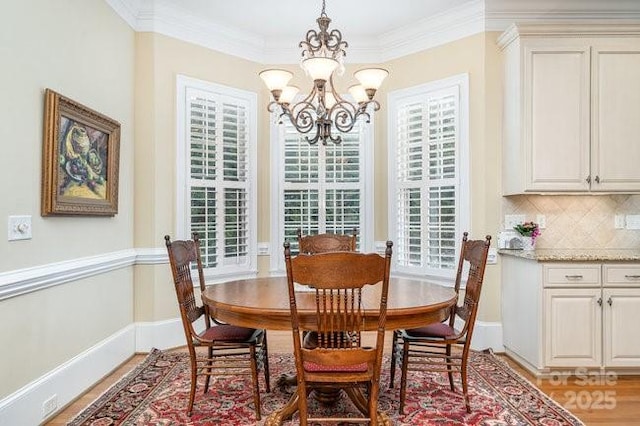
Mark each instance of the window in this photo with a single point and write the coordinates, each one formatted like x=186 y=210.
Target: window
x=216 y=174
x=320 y=188
x=428 y=173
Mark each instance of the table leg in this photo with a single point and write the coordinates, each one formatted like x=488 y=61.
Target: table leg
x=277 y=417
x=358 y=399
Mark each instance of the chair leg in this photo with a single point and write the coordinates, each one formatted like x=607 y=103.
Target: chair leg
x=465 y=390
x=254 y=380
x=265 y=362
x=303 y=408
x=192 y=390
x=394 y=348
x=450 y=368
x=374 y=391
x=208 y=369
x=403 y=376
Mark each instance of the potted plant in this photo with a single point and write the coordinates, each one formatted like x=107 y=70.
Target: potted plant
x=529 y=231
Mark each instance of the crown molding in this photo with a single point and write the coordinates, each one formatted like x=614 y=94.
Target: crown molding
x=599 y=29
x=500 y=21
x=453 y=24
x=165 y=17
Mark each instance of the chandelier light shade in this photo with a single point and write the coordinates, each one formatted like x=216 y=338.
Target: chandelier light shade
x=323 y=109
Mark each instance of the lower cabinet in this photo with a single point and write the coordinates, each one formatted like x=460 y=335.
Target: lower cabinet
x=571 y=314
x=621 y=327
x=573 y=327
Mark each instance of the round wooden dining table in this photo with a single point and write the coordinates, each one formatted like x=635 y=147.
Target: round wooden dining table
x=264 y=303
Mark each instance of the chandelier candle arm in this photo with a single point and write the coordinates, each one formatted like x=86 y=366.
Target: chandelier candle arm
x=323 y=108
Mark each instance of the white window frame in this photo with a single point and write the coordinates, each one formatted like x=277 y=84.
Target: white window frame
x=460 y=84
x=365 y=231
x=222 y=272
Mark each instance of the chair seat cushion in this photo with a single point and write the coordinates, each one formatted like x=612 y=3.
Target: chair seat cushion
x=442 y=330
x=321 y=368
x=228 y=333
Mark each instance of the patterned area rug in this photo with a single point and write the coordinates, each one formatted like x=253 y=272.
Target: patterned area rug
x=156 y=393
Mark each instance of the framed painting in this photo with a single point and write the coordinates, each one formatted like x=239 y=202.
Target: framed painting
x=81 y=151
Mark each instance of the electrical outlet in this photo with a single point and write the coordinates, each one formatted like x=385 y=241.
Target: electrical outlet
x=619 y=221
x=511 y=220
x=263 y=249
x=49 y=406
x=541 y=220
x=633 y=221
x=492 y=256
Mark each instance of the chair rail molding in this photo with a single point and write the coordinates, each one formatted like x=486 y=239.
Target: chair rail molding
x=22 y=281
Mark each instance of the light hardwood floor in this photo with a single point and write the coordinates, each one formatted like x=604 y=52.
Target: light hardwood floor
x=595 y=401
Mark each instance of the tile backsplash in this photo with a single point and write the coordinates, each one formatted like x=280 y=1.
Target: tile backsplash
x=578 y=221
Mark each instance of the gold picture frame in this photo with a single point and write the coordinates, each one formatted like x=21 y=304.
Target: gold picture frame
x=81 y=150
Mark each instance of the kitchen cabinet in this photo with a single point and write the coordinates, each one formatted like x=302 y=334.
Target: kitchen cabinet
x=571 y=99
x=571 y=314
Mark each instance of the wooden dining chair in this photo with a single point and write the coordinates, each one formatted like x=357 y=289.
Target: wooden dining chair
x=444 y=347
x=231 y=350
x=338 y=360
x=323 y=243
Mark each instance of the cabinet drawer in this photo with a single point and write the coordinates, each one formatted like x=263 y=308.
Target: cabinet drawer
x=621 y=275
x=568 y=275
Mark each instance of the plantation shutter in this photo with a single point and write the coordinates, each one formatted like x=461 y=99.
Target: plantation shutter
x=426 y=181
x=219 y=177
x=322 y=185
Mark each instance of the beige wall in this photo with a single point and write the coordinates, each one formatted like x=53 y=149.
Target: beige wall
x=478 y=57
x=159 y=60
x=83 y=50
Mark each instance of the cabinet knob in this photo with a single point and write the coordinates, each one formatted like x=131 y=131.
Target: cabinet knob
x=600 y=301
x=597 y=179
x=589 y=179
x=632 y=277
x=573 y=277
x=609 y=301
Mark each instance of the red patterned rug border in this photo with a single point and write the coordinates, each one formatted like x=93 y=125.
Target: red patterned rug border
x=153 y=392
x=523 y=381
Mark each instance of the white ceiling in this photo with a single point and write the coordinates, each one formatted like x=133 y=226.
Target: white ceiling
x=269 y=31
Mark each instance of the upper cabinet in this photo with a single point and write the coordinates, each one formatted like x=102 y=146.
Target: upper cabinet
x=571 y=120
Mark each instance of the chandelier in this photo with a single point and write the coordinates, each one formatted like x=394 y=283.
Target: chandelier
x=323 y=108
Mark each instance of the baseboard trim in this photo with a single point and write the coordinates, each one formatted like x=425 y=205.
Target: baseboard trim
x=160 y=335
x=67 y=381
x=487 y=335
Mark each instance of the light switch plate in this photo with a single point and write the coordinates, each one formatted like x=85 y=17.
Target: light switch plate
x=19 y=228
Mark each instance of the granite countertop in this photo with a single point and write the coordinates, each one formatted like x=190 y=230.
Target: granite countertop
x=576 y=255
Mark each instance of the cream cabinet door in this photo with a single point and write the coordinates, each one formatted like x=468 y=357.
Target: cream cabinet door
x=621 y=327
x=573 y=327
x=615 y=116
x=556 y=116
